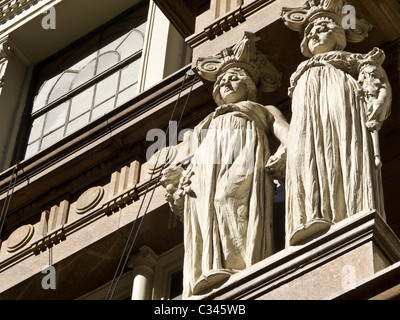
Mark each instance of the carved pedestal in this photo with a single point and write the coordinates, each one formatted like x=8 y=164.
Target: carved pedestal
x=350 y=254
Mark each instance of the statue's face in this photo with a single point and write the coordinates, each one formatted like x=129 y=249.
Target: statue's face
x=232 y=88
x=321 y=39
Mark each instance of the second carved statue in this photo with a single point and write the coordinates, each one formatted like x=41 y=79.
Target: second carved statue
x=339 y=102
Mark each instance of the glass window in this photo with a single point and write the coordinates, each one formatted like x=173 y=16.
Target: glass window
x=87 y=81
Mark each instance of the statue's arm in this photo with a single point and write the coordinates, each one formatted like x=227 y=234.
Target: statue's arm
x=278 y=124
x=276 y=165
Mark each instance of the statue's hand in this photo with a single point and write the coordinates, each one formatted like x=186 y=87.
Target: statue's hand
x=171 y=176
x=170 y=180
x=373 y=125
x=276 y=165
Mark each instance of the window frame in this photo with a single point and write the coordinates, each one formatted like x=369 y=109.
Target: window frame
x=21 y=146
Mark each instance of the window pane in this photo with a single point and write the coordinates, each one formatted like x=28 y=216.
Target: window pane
x=103 y=108
x=32 y=149
x=52 y=138
x=78 y=123
x=127 y=94
x=56 y=117
x=85 y=59
x=106 y=88
x=84 y=75
x=81 y=103
x=130 y=74
x=107 y=60
x=37 y=128
x=133 y=43
x=112 y=42
x=41 y=98
x=62 y=86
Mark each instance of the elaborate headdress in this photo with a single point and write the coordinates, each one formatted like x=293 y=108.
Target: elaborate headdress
x=243 y=55
x=302 y=19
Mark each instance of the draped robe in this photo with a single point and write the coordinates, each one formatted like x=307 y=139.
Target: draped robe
x=228 y=216
x=330 y=160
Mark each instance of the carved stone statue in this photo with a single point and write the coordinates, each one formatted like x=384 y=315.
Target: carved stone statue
x=339 y=101
x=225 y=195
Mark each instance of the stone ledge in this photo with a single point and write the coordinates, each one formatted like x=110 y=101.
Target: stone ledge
x=384 y=285
x=351 y=252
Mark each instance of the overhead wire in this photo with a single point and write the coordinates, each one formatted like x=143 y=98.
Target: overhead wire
x=7 y=199
x=128 y=249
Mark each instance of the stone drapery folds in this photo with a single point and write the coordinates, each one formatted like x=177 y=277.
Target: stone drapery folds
x=225 y=195
x=339 y=102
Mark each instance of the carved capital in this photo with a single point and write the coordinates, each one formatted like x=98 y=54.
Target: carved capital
x=243 y=55
x=301 y=18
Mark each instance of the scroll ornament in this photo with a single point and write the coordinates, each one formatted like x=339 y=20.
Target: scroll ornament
x=243 y=55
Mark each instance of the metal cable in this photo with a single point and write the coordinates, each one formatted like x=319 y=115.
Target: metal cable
x=126 y=252
x=7 y=199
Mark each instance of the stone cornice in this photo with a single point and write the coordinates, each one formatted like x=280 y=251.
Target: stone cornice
x=227 y=22
x=11 y=8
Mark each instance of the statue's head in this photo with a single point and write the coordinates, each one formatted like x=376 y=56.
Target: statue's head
x=323 y=35
x=239 y=71
x=320 y=23
x=234 y=85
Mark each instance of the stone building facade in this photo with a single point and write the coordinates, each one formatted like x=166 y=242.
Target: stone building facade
x=89 y=92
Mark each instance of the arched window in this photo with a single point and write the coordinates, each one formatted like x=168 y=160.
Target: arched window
x=87 y=81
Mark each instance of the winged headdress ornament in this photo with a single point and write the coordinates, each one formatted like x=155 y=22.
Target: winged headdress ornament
x=246 y=56
x=313 y=11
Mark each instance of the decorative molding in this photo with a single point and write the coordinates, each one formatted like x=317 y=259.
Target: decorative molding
x=56 y=217
x=20 y=237
x=225 y=23
x=124 y=179
x=89 y=199
x=161 y=159
x=124 y=194
x=47 y=241
x=11 y=8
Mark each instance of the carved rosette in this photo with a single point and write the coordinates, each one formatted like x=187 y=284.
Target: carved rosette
x=89 y=199
x=20 y=237
x=162 y=159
